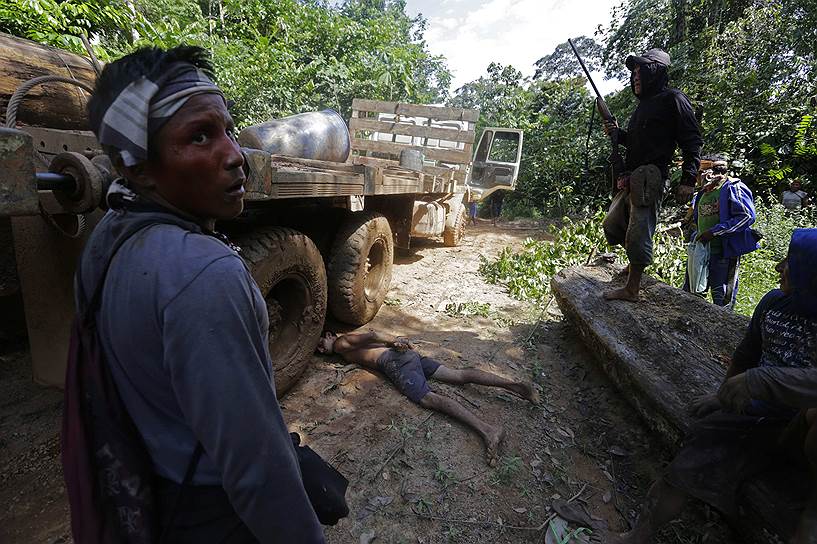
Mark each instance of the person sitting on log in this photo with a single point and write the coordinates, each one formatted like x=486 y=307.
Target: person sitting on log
x=764 y=413
x=409 y=371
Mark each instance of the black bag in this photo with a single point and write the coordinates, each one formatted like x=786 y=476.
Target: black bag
x=325 y=486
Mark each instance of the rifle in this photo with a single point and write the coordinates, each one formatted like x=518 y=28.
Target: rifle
x=615 y=160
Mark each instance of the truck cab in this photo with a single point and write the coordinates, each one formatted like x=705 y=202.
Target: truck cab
x=496 y=161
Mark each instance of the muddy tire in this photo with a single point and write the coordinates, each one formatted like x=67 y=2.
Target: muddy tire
x=360 y=267
x=453 y=234
x=289 y=270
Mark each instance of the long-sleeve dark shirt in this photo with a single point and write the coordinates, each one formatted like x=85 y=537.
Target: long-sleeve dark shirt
x=657 y=125
x=779 y=354
x=184 y=329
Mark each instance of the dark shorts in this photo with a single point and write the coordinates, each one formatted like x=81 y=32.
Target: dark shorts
x=408 y=372
x=724 y=450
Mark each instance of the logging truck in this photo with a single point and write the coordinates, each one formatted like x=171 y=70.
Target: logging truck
x=324 y=209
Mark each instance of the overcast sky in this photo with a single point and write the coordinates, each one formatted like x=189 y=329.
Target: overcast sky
x=473 y=33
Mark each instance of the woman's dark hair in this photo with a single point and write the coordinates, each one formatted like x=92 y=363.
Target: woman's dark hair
x=149 y=62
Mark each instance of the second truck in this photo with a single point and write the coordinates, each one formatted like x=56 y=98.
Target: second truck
x=326 y=203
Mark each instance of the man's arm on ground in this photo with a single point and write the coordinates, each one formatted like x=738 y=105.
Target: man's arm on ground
x=216 y=356
x=688 y=137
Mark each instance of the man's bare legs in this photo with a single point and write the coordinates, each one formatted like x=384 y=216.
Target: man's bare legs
x=492 y=436
x=630 y=290
x=807 y=528
x=664 y=504
x=479 y=377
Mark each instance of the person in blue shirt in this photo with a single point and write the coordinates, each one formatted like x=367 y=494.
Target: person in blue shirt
x=764 y=414
x=723 y=211
x=183 y=326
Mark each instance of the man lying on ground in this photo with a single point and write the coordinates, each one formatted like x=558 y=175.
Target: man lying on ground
x=408 y=371
x=765 y=412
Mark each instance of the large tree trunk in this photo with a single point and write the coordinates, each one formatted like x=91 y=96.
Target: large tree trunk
x=53 y=105
x=661 y=354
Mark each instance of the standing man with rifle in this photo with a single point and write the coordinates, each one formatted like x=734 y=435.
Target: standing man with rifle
x=663 y=119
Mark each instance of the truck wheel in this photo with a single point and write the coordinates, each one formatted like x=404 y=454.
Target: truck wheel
x=453 y=234
x=359 y=268
x=289 y=270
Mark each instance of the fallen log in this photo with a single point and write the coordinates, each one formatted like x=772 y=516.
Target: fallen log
x=52 y=105
x=662 y=353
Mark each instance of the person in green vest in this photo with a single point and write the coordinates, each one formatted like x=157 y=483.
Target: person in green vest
x=723 y=211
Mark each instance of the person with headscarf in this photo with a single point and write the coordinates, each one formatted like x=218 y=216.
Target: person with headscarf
x=763 y=415
x=663 y=119
x=723 y=211
x=182 y=325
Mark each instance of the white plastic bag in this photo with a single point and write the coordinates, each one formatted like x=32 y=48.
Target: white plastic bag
x=698 y=266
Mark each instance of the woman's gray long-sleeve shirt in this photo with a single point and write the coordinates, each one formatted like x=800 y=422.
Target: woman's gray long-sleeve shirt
x=184 y=331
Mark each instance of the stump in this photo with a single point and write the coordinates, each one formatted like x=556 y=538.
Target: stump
x=662 y=353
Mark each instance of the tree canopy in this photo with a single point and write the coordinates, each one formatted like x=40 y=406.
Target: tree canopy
x=272 y=57
x=747 y=65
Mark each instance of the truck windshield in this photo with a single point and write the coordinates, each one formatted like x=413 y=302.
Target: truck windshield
x=505 y=147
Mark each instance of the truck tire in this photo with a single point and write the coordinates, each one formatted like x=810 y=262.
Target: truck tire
x=360 y=266
x=453 y=234
x=289 y=270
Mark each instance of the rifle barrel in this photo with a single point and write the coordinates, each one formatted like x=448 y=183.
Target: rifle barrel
x=586 y=71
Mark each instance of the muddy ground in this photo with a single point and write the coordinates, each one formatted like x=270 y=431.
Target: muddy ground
x=418 y=477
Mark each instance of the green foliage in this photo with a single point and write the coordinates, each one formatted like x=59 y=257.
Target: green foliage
x=564 y=159
x=272 y=57
x=60 y=23
x=757 y=269
x=757 y=277
x=465 y=309
x=527 y=274
x=562 y=63
x=507 y=470
x=444 y=475
x=746 y=65
x=776 y=223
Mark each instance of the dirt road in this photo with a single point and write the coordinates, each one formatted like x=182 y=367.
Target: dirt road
x=417 y=477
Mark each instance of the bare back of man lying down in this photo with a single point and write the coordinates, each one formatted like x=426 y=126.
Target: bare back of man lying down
x=409 y=371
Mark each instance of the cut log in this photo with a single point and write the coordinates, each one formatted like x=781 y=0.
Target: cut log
x=53 y=105
x=662 y=354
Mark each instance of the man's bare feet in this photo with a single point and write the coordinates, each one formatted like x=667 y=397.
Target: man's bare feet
x=527 y=391
x=621 y=294
x=493 y=445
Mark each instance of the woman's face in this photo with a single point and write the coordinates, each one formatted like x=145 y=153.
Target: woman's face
x=198 y=165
